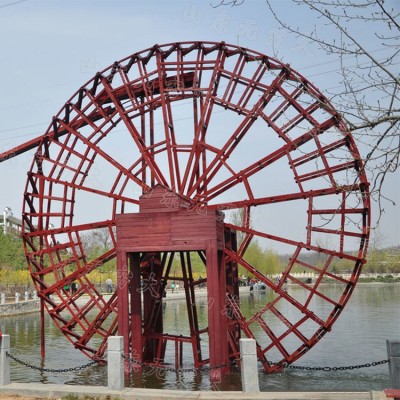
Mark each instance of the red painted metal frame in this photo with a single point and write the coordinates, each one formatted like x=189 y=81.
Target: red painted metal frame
x=135 y=104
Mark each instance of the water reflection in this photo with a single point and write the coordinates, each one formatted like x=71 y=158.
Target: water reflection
x=358 y=337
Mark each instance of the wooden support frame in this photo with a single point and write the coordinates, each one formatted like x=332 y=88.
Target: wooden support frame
x=165 y=224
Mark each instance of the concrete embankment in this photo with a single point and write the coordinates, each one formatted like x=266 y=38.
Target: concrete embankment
x=22 y=307
x=42 y=391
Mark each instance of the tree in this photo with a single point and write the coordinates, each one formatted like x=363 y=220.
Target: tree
x=241 y=218
x=376 y=257
x=265 y=261
x=254 y=255
x=95 y=243
x=367 y=95
x=273 y=264
x=12 y=256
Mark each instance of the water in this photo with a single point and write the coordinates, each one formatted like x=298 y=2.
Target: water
x=358 y=337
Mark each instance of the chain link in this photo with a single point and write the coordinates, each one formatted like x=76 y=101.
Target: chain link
x=330 y=369
x=178 y=370
x=79 y=368
x=233 y=363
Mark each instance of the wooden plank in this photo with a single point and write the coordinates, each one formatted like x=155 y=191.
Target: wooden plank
x=178 y=229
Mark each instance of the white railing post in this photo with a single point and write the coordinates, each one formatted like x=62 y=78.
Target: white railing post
x=3 y=298
x=115 y=363
x=248 y=366
x=393 y=351
x=26 y=296
x=4 y=360
x=17 y=297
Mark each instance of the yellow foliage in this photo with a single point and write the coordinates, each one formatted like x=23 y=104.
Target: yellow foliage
x=18 y=277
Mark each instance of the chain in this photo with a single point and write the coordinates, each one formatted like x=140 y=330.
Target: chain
x=330 y=369
x=51 y=369
x=234 y=364
x=177 y=370
x=193 y=369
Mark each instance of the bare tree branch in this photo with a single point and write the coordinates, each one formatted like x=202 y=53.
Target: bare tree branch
x=367 y=95
x=232 y=3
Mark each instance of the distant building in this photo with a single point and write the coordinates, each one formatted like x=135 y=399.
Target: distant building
x=12 y=224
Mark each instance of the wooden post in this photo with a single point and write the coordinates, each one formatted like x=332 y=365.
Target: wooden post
x=152 y=303
x=393 y=351
x=122 y=290
x=217 y=322
x=135 y=291
x=42 y=330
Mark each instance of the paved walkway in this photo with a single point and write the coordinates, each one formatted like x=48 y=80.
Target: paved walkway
x=51 y=390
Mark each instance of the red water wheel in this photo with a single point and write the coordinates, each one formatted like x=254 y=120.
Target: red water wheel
x=225 y=128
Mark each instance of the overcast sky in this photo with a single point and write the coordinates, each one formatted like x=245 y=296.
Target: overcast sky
x=51 y=48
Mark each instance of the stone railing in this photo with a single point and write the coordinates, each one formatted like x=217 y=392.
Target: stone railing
x=19 y=305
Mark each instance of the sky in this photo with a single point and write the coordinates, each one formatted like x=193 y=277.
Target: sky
x=49 y=49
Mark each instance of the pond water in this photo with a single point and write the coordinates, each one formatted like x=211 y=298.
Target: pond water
x=358 y=337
